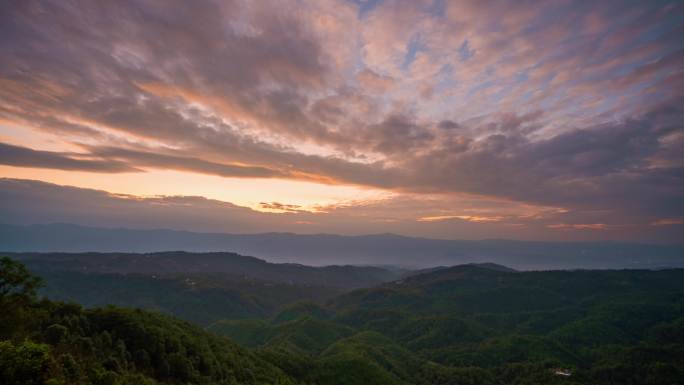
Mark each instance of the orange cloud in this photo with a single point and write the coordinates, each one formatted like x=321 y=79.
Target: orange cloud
x=582 y=226
x=375 y=82
x=469 y=218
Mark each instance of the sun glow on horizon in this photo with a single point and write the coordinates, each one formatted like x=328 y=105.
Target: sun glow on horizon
x=246 y=192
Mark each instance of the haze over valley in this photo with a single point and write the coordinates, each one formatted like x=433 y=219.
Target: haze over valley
x=330 y=249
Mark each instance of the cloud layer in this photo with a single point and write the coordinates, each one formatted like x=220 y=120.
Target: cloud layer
x=29 y=202
x=573 y=107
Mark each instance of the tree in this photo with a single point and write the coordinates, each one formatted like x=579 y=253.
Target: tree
x=54 y=334
x=24 y=364
x=17 y=291
x=16 y=282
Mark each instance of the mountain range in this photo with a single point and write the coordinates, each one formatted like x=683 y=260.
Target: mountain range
x=329 y=249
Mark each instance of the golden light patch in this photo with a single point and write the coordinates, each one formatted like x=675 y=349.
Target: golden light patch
x=469 y=218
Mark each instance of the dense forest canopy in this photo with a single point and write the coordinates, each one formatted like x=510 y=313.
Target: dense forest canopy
x=469 y=324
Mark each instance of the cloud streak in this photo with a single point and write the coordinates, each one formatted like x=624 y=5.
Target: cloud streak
x=26 y=157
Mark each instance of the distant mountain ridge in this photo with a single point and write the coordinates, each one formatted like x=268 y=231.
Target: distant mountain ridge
x=327 y=249
x=170 y=262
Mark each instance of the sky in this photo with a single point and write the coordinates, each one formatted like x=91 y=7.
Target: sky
x=539 y=120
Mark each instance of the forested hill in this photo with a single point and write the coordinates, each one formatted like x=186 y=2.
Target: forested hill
x=44 y=342
x=474 y=324
x=198 y=287
x=340 y=276
x=469 y=324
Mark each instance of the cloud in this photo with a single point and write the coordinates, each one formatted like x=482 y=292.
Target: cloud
x=374 y=82
x=608 y=166
x=668 y=222
x=26 y=157
x=448 y=125
x=468 y=217
x=539 y=112
x=582 y=226
x=173 y=162
x=278 y=207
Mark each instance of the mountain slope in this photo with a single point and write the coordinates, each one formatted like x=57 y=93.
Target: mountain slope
x=478 y=325
x=198 y=287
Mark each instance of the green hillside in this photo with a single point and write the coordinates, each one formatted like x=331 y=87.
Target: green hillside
x=485 y=325
x=452 y=326
x=201 y=298
x=205 y=287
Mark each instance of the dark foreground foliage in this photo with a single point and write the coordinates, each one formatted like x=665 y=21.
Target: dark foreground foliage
x=46 y=342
